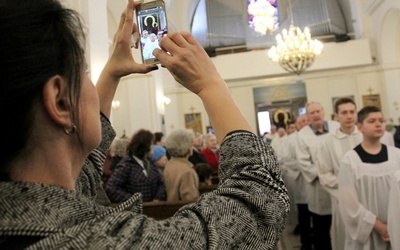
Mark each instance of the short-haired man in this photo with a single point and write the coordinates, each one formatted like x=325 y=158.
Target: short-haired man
x=330 y=154
x=278 y=140
x=318 y=199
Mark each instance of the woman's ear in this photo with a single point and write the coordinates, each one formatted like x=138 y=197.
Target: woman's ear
x=55 y=100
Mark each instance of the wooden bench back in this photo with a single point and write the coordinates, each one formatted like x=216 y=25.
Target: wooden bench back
x=161 y=210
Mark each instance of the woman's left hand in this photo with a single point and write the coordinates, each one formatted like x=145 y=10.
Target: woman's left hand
x=121 y=61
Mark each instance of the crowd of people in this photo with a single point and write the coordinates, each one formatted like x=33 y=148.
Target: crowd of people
x=339 y=175
x=161 y=169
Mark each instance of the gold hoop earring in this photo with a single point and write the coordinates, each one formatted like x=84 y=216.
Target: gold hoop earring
x=71 y=130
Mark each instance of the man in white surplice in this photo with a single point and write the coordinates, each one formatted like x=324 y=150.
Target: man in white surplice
x=365 y=177
x=278 y=140
x=330 y=154
x=318 y=199
x=295 y=182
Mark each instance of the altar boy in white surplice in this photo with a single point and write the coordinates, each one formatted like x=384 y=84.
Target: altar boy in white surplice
x=364 y=185
x=330 y=154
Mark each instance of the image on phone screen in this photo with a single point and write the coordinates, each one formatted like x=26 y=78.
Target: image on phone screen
x=152 y=23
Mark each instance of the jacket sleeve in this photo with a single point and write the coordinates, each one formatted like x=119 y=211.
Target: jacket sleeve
x=90 y=177
x=116 y=184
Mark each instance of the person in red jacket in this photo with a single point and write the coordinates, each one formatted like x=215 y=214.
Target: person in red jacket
x=211 y=151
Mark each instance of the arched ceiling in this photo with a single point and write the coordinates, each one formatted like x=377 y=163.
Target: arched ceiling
x=390 y=37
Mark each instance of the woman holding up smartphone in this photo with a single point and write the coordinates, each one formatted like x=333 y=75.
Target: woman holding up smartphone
x=61 y=124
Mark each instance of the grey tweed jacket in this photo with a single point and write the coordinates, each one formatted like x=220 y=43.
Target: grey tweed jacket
x=247 y=211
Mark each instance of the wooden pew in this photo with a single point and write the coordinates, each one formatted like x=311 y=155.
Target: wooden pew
x=162 y=209
x=214 y=178
x=204 y=189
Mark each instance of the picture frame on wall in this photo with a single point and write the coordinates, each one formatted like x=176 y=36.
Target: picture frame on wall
x=210 y=130
x=334 y=100
x=372 y=100
x=193 y=121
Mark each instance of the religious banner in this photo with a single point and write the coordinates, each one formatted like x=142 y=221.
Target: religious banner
x=193 y=121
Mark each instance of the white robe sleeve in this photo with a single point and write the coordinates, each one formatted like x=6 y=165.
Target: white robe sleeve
x=327 y=177
x=287 y=156
x=358 y=220
x=394 y=211
x=304 y=157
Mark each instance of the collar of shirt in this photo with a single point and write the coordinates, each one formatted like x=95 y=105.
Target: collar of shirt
x=183 y=161
x=325 y=129
x=141 y=163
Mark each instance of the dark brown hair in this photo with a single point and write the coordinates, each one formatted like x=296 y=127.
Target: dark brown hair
x=43 y=39
x=364 y=112
x=341 y=101
x=141 y=143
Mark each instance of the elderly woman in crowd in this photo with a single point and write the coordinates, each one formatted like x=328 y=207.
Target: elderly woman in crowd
x=181 y=179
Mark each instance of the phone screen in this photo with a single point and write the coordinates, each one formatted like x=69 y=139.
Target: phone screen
x=152 y=24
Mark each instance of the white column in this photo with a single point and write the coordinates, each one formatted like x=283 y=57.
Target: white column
x=391 y=95
x=98 y=41
x=141 y=97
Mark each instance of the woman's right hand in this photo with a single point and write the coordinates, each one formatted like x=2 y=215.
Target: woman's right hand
x=190 y=65
x=187 y=61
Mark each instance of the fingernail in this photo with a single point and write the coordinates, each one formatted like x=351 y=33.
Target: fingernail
x=155 y=67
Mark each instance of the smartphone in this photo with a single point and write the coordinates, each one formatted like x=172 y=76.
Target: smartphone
x=152 y=25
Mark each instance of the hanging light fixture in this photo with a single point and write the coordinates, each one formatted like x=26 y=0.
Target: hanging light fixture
x=262 y=16
x=295 y=50
x=115 y=104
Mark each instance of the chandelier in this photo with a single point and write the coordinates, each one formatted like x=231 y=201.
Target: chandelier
x=295 y=50
x=262 y=16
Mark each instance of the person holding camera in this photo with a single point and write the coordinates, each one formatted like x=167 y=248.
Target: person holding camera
x=61 y=124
